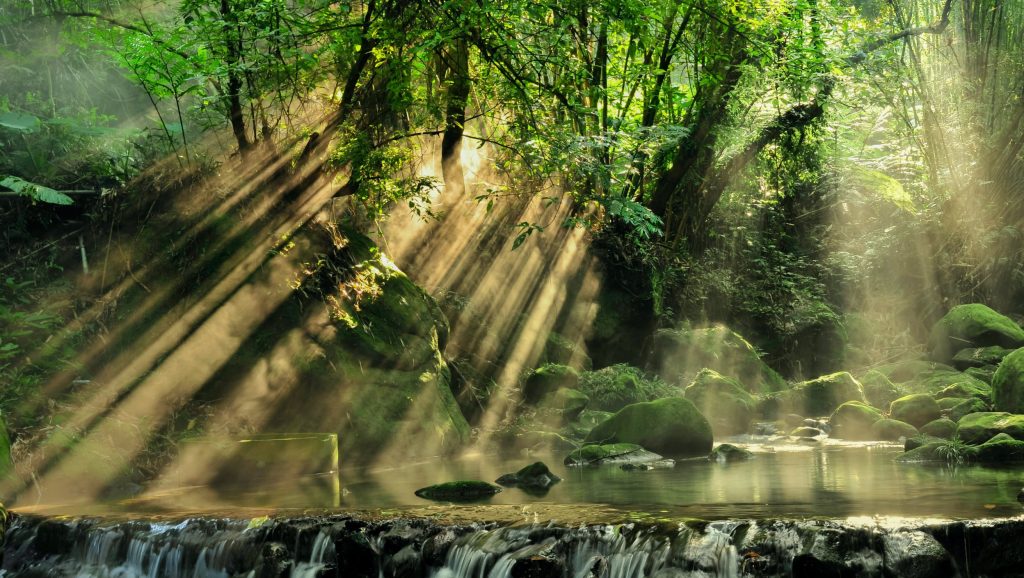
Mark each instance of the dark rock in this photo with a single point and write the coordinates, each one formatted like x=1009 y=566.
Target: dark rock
x=460 y=491
x=724 y=453
x=916 y=554
x=537 y=567
x=596 y=455
x=547 y=379
x=1020 y=495
x=355 y=556
x=535 y=475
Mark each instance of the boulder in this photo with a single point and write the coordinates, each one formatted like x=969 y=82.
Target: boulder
x=461 y=491
x=908 y=369
x=965 y=389
x=940 y=451
x=806 y=431
x=1000 y=449
x=599 y=455
x=916 y=554
x=547 y=379
x=1008 y=383
x=914 y=442
x=616 y=386
x=934 y=381
x=725 y=403
x=942 y=428
x=879 y=390
x=892 y=430
x=534 y=476
x=976 y=428
x=821 y=396
x=724 y=453
x=968 y=406
x=982 y=373
x=916 y=409
x=686 y=351
x=852 y=421
x=672 y=426
x=979 y=357
x=947 y=403
x=970 y=326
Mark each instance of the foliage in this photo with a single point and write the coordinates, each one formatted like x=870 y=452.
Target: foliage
x=611 y=388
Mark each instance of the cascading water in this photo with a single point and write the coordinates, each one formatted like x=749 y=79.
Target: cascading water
x=411 y=548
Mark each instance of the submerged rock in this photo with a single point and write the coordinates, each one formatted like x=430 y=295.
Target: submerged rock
x=670 y=426
x=724 y=453
x=973 y=325
x=535 y=475
x=1008 y=383
x=916 y=409
x=655 y=465
x=725 y=403
x=460 y=491
x=597 y=455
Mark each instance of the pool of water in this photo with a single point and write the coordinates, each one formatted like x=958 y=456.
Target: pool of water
x=785 y=479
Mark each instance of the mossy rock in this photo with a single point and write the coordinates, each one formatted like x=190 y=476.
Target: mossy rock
x=939 y=451
x=937 y=380
x=821 y=396
x=725 y=403
x=967 y=407
x=461 y=491
x=1008 y=383
x=947 y=403
x=908 y=369
x=590 y=418
x=672 y=426
x=985 y=373
x=852 y=421
x=892 y=430
x=914 y=442
x=686 y=351
x=616 y=386
x=546 y=379
x=970 y=326
x=536 y=475
x=999 y=451
x=916 y=409
x=979 y=427
x=966 y=389
x=724 y=453
x=975 y=357
x=805 y=431
x=943 y=428
x=603 y=454
x=879 y=390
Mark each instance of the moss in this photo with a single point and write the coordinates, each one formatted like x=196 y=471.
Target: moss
x=725 y=403
x=724 y=453
x=595 y=454
x=821 y=396
x=686 y=351
x=614 y=387
x=984 y=374
x=947 y=403
x=942 y=428
x=973 y=325
x=979 y=356
x=1002 y=450
x=547 y=379
x=909 y=369
x=891 y=430
x=979 y=427
x=852 y=421
x=966 y=389
x=966 y=407
x=936 y=380
x=562 y=350
x=939 y=451
x=879 y=390
x=916 y=409
x=671 y=426
x=460 y=491
x=1008 y=383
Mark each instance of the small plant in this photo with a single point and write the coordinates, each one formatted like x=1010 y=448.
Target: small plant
x=953 y=451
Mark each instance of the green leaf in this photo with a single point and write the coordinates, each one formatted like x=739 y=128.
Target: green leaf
x=37 y=192
x=19 y=121
x=876 y=182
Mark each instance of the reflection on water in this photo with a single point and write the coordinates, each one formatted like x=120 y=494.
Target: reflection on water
x=832 y=479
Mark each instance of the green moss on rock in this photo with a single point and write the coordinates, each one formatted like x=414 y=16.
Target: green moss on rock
x=976 y=428
x=943 y=428
x=724 y=453
x=966 y=407
x=725 y=403
x=973 y=325
x=460 y=491
x=879 y=390
x=672 y=426
x=892 y=430
x=998 y=451
x=979 y=357
x=548 y=378
x=1008 y=383
x=600 y=454
x=947 y=403
x=686 y=351
x=916 y=409
x=852 y=421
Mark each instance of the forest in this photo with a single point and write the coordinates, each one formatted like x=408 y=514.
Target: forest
x=506 y=227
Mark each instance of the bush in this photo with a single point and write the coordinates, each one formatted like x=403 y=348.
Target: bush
x=614 y=387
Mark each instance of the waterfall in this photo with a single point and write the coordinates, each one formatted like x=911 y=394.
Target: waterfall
x=317 y=559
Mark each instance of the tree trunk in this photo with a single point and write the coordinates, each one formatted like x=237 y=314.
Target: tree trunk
x=457 y=64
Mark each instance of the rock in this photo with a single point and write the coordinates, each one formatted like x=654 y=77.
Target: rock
x=916 y=554
x=821 y=396
x=670 y=426
x=966 y=389
x=568 y=402
x=916 y=409
x=973 y=325
x=878 y=389
x=614 y=387
x=1000 y=450
x=725 y=403
x=976 y=428
x=724 y=453
x=461 y=491
x=1008 y=383
x=914 y=442
x=537 y=567
x=984 y=374
x=535 y=475
x=806 y=432
x=547 y=379
x=947 y=403
x=852 y=421
x=909 y=369
x=936 y=380
x=656 y=465
x=940 y=451
x=598 y=455
x=819 y=424
x=979 y=357
x=892 y=430
x=969 y=406
x=766 y=428
x=942 y=428
x=686 y=351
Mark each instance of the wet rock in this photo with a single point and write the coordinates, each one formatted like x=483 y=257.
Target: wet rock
x=355 y=556
x=672 y=426
x=1008 y=383
x=605 y=454
x=537 y=567
x=656 y=465
x=535 y=475
x=460 y=491
x=984 y=374
x=973 y=325
x=726 y=404
x=916 y=409
x=941 y=428
x=806 y=432
x=976 y=428
x=852 y=421
x=819 y=424
x=766 y=428
x=916 y=554
x=1000 y=449
x=729 y=453
x=892 y=430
